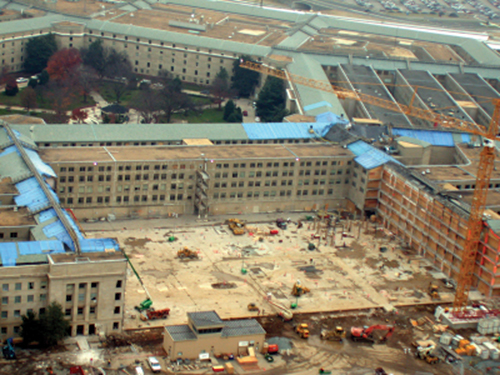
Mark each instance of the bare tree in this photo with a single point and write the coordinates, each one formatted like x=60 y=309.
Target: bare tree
x=149 y=105
x=172 y=98
x=86 y=81
x=28 y=99
x=220 y=88
x=119 y=70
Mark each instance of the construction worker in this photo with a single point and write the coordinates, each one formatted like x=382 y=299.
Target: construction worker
x=109 y=362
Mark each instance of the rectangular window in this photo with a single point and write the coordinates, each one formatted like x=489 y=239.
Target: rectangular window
x=31 y=298
x=17 y=299
x=18 y=286
x=5 y=287
x=5 y=300
x=118 y=296
x=43 y=297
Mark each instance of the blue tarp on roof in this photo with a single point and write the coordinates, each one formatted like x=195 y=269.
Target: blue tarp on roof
x=435 y=138
x=46 y=215
x=310 y=107
x=92 y=245
x=40 y=247
x=32 y=196
x=331 y=117
x=57 y=230
x=8 y=253
x=368 y=156
x=285 y=130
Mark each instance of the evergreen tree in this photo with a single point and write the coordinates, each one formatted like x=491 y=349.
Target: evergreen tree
x=228 y=109
x=53 y=326
x=271 y=102
x=38 y=52
x=244 y=81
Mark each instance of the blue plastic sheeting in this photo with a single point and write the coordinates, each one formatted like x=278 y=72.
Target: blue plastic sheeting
x=95 y=245
x=310 y=107
x=32 y=196
x=57 y=230
x=40 y=247
x=368 y=156
x=435 y=138
x=46 y=215
x=43 y=169
x=331 y=118
x=8 y=253
x=285 y=130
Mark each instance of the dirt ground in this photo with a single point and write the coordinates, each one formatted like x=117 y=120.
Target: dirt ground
x=352 y=274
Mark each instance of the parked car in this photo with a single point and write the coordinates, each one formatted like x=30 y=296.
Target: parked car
x=139 y=370
x=245 y=113
x=154 y=364
x=22 y=80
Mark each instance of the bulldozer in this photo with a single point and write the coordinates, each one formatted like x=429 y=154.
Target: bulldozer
x=253 y=307
x=299 y=290
x=302 y=330
x=237 y=226
x=186 y=253
x=337 y=334
x=433 y=291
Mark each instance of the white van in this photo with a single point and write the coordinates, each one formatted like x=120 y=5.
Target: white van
x=139 y=370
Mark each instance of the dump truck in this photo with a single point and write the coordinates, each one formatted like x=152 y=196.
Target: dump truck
x=302 y=330
x=152 y=314
x=337 y=334
x=299 y=290
x=237 y=226
x=186 y=253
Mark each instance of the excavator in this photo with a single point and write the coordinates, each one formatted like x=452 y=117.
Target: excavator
x=186 y=253
x=433 y=291
x=299 y=290
x=237 y=226
x=360 y=333
x=337 y=334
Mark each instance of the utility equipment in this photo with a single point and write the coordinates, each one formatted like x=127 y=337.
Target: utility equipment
x=186 y=253
x=302 y=330
x=237 y=226
x=360 y=333
x=337 y=334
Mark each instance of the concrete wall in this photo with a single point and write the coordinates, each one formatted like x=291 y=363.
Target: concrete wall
x=33 y=287
x=15 y=233
x=210 y=343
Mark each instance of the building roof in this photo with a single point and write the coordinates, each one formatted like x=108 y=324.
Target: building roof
x=413 y=141
x=242 y=328
x=434 y=137
x=115 y=108
x=132 y=132
x=368 y=156
x=16 y=253
x=286 y=130
x=202 y=319
x=181 y=332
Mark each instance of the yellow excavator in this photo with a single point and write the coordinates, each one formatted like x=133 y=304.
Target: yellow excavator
x=299 y=290
x=433 y=291
x=186 y=253
x=237 y=226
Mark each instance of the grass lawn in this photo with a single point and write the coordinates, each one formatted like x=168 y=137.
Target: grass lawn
x=211 y=115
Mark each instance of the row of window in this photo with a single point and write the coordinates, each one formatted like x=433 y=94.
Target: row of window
x=19 y=286
x=272 y=193
x=9 y=235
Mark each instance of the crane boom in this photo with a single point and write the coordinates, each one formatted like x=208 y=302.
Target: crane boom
x=343 y=93
x=485 y=168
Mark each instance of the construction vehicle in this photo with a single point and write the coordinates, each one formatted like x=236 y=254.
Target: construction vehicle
x=360 y=333
x=337 y=334
x=302 y=330
x=8 y=349
x=281 y=223
x=485 y=166
x=427 y=354
x=148 y=302
x=299 y=290
x=253 y=307
x=286 y=315
x=432 y=290
x=152 y=314
x=186 y=253
x=237 y=226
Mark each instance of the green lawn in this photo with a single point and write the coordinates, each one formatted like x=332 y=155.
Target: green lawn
x=211 y=115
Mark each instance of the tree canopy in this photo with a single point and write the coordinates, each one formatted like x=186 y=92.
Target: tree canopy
x=232 y=113
x=244 y=81
x=271 y=101
x=220 y=88
x=38 y=52
x=48 y=329
x=64 y=64
x=96 y=57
